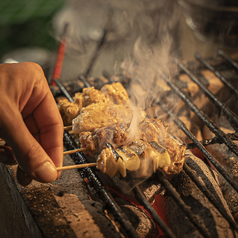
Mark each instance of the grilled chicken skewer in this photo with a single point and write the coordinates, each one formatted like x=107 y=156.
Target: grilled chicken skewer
x=139 y=157
x=113 y=93
x=150 y=130
x=106 y=116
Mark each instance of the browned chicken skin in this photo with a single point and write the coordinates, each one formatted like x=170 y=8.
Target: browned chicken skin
x=102 y=117
x=139 y=157
x=98 y=115
x=151 y=130
x=114 y=93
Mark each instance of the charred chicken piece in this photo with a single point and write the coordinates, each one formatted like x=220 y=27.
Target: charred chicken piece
x=156 y=130
x=94 y=141
x=117 y=134
x=138 y=157
x=151 y=130
x=110 y=164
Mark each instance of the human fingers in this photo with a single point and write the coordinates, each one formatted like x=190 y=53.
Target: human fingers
x=31 y=157
x=45 y=123
x=23 y=87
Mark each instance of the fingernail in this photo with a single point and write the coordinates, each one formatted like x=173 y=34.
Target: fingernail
x=46 y=173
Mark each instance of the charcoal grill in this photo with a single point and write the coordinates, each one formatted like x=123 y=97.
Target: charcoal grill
x=222 y=63
x=225 y=68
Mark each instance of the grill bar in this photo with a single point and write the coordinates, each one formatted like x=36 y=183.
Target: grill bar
x=225 y=139
x=84 y=80
x=95 y=182
x=231 y=117
x=186 y=168
x=186 y=209
x=142 y=200
x=214 y=140
x=228 y=58
x=202 y=116
x=96 y=52
x=217 y=73
x=63 y=90
x=219 y=138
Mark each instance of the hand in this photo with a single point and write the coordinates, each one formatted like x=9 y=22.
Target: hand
x=30 y=123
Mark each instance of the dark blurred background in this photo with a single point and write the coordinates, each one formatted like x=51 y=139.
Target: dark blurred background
x=30 y=31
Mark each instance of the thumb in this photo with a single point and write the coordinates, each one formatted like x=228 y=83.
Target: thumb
x=31 y=157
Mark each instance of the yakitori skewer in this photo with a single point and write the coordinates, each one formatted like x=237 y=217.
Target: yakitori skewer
x=74 y=151
x=77 y=166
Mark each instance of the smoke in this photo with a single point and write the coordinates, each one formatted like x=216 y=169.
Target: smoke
x=129 y=19
x=145 y=65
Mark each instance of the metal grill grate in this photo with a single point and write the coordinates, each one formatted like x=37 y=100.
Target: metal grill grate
x=220 y=137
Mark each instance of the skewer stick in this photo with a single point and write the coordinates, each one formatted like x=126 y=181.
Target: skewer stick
x=67 y=128
x=74 y=151
x=77 y=166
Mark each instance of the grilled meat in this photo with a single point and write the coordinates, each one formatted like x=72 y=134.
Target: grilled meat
x=109 y=164
x=113 y=93
x=150 y=130
x=156 y=130
x=92 y=95
x=70 y=110
x=107 y=116
x=98 y=115
x=116 y=93
x=94 y=141
x=139 y=157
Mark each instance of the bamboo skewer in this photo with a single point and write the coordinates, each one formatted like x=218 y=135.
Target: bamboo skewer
x=76 y=166
x=67 y=128
x=74 y=151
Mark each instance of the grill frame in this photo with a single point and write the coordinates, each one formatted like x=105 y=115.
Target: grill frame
x=221 y=137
